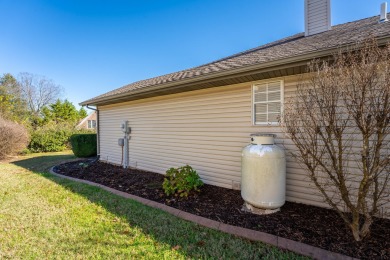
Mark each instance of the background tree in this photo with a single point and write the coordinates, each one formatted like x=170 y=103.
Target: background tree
x=12 y=106
x=33 y=101
x=54 y=126
x=83 y=113
x=339 y=121
x=38 y=91
x=61 y=111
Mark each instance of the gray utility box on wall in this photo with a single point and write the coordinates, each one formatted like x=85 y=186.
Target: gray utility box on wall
x=121 y=141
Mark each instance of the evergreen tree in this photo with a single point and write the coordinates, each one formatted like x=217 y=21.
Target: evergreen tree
x=61 y=112
x=12 y=106
x=82 y=113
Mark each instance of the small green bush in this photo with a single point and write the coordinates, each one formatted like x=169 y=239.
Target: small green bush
x=84 y=145
x=181 y=181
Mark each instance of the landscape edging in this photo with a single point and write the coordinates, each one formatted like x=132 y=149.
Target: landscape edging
x=280 y=242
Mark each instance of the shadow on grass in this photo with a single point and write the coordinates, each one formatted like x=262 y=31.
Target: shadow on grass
x=190 y=239
x=44 y=162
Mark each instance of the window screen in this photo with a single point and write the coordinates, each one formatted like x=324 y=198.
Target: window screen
x=267 y=102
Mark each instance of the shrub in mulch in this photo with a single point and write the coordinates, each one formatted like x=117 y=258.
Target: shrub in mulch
x=308 y=224
x=181 y=181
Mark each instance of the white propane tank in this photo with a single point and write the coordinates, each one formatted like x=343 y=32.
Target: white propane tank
x=263 y=173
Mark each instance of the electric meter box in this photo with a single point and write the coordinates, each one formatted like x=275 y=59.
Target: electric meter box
x=125 y=127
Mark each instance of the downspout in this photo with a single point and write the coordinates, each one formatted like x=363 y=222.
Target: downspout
x=97 y=129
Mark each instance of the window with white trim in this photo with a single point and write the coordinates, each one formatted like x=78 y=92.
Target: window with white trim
x=267 y=102
x=91 y=124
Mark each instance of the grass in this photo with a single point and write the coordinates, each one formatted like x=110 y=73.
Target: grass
x=43 y=216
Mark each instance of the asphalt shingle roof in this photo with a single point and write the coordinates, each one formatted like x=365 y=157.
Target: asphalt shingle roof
x=288 y=47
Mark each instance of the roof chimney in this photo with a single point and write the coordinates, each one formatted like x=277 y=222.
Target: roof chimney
x=317 y=16
x=383 y=12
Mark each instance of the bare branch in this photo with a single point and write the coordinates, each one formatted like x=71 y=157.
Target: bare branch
x=38 y=91
x=339 y=121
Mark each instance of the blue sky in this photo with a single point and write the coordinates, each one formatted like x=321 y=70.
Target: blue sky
x=90 y=47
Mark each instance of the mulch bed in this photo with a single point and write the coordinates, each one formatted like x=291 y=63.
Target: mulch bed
x=308 y=224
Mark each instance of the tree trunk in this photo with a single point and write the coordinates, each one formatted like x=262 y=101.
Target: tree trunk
x=359 y=233
x=365 y=230
x=356 y=231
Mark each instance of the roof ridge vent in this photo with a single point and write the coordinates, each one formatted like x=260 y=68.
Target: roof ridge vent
x=383 y=13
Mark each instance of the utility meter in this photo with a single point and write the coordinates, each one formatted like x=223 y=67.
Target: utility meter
x=125 y=128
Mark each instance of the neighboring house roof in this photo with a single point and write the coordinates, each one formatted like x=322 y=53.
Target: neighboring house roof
x=85 y=119
x=290 y=49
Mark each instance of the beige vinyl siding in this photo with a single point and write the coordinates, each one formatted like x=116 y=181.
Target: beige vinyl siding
x=206 y=129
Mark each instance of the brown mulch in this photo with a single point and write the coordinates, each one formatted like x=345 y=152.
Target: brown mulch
x=308 y=224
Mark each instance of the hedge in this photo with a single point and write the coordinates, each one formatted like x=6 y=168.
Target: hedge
x=49 y=139
x=84 y=145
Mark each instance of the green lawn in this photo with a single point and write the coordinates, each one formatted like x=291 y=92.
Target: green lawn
x=42 y=216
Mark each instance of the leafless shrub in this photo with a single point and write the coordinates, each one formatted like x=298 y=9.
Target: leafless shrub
x=339 y=122
x=13 y=138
